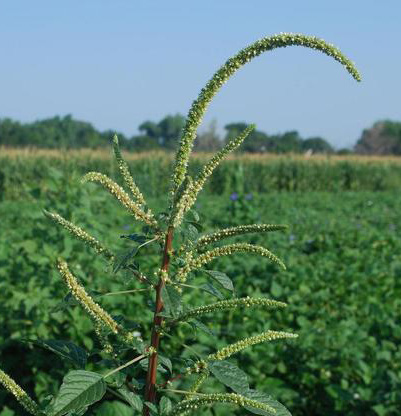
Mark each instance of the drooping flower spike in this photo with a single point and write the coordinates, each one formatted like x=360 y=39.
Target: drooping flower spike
x=20 y=394
x=125 y=173
x=121 y=196
x=234 y=231
x=200 y=105
x=80 y=234
x=192 y=189
x=222 y=305
x=188 y=406
x=194 y=263
x=96 y=312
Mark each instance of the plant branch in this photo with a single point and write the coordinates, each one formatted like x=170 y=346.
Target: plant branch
x=150 y=389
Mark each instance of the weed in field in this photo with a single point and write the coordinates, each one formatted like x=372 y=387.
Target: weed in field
x=81 y=388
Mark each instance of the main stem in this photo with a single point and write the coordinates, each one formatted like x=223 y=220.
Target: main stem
x=150 y=389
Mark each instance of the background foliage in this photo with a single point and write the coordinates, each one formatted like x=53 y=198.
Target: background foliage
x=342 y=284
x=383 y=138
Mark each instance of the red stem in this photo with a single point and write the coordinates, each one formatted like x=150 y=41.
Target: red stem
x=150 y=389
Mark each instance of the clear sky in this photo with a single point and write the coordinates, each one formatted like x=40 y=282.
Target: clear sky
x=117 y=63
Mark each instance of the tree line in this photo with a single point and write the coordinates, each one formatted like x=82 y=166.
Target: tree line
x=384 y=137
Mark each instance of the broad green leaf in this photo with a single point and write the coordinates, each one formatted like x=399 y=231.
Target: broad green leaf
x=79 y=412
x=200 y=325
x=65 y=349
x=194 y=214
x=230 y=375
x=165 y=406
x=133 y=399
x=209 y=288
x=222 y=278
x=265 y=398
x=79 y=389
x=166 y=362
x=172 y=301
x=115 y=408
x=152 y=407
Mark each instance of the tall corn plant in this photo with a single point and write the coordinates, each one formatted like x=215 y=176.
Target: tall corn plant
x=179 y=259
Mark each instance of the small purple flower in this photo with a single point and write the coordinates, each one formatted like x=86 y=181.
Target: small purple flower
x=292 y=237
x=234 y=196
x=248 y=197
x=127 y=227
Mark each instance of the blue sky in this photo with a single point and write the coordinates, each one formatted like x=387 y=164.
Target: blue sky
x=118 y=63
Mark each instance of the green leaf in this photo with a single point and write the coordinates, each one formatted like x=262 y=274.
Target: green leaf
x=79 y=389
x=133 y=399
x=194 y=214
x=165 y=406
x=166 y=362
x=200 y=325
x=65 y=349
x=114 y=409
x=209 y=288
x=172 y=301
x=230 y=375
x=152 y=407
x=266 y=399
x=222 y=278
x=138 y=238
x=79 y=412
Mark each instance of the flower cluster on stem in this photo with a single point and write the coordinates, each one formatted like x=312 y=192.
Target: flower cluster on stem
x=202 y=259
x=21 y=395
x=200 y=105
x=192 y=188
x=97 y=313
x=125 y=173
x=188 y=406
x=232 y=349
x=121 y=196
x=241 y=229
x=222 y=305
x=80 y=234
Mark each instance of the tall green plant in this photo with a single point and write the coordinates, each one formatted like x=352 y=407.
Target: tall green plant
x=183 y=254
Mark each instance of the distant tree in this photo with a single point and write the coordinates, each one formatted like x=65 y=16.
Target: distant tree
x=12 y=133
x=383 y=138
x=289 y=142
x=166 y=133
x=171 y=128
x=316 y=145
x=150 y=129
x=209 y=140
x=143 y=143
x=257 y=142
x=344 y=151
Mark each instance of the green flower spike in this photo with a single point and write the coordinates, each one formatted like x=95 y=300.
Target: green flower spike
x=191 y=191
x=80 y=234
x=199 y=106
x=125 y=173
x=242 y=229
x=21 y=395
x=122 y=196
x=188 y=406
x=223 y=305
x=97 y=313
x=198 y=262
x=199 y=381
x=247 y=342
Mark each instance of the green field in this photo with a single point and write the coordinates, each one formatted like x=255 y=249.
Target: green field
x=342 y=283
